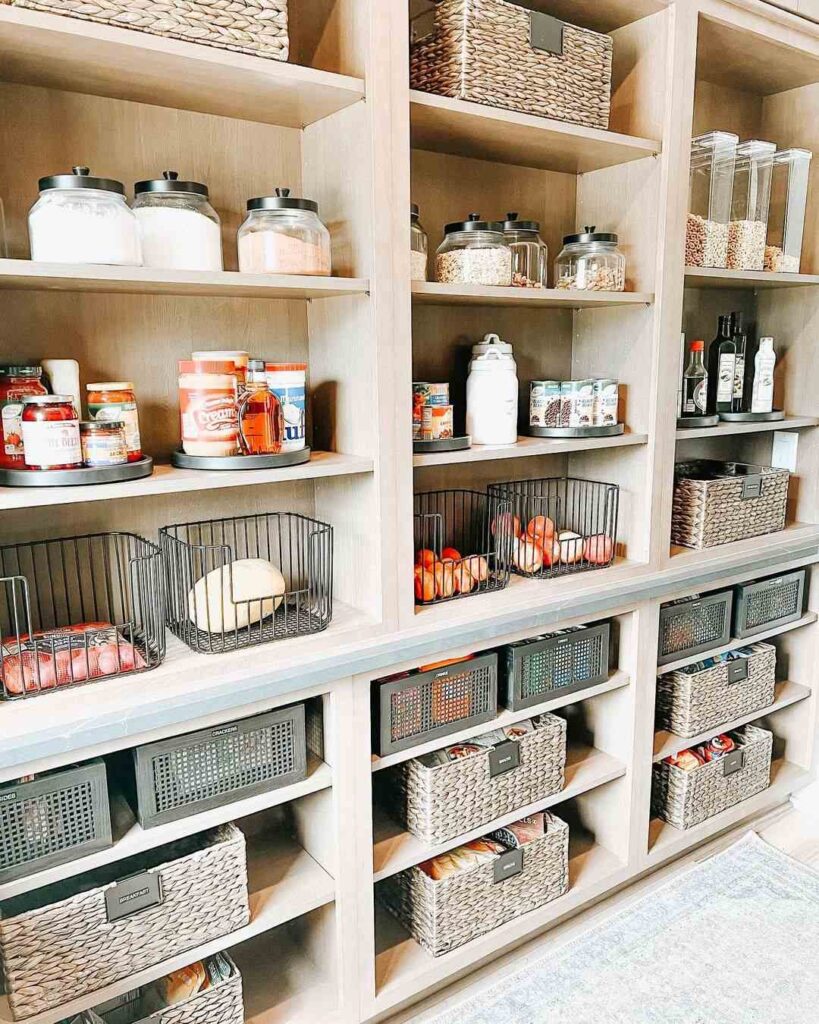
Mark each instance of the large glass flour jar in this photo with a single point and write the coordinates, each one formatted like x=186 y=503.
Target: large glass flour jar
x=179 y=229
x=283 y=235
x=82 y=219
x=474 y=251
x=591 y=261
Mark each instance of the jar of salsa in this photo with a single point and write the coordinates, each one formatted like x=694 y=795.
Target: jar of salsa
x=51 y=432
x=103 y=443
x=116 y=401
x=16 y=382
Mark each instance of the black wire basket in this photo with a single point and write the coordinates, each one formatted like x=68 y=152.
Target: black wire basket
x=463 y=545
x=562 y=525
x=218 y=601
x=77 y=610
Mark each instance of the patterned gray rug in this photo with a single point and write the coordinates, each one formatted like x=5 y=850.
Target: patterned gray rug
x=735 y=938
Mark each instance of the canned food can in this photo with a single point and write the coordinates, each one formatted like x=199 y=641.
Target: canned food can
x=577 y=403
x=606 y=402
x=420 y=393
x=544 y=403
x=438 y=394
x=437 y=422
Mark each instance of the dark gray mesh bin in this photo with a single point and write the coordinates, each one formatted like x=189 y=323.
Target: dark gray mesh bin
x=188 y=774
x=693 y=627
x=544 y=667
x=767 y=603
x=52 y=819
x=429 y=705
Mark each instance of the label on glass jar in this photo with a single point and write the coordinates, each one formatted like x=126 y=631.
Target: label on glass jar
x=124 y=411
x=55 y=443
x=209 y=415
x=12 y=420
x=104 y=449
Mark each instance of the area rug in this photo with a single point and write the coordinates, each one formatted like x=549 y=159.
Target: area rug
x=735 y=938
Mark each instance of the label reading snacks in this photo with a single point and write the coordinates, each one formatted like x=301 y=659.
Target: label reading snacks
x=131 y=895
x=503 y=758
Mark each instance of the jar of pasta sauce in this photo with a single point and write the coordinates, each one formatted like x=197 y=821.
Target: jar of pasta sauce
x=208 y=407
x=51 y=432
x=115 y=401
x=16 y=383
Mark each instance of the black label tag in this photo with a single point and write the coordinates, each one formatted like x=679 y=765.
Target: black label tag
x=545 y=33
x=737 y=670
x=508 y=865
x=751 y=487
x=733 y=762
x=131 y=895
x=503 y=758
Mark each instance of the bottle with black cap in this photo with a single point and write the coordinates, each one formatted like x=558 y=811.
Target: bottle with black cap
x=179 y=228
x=282 y=234
x=530 y=256
x=721 y=368
x=474 y=251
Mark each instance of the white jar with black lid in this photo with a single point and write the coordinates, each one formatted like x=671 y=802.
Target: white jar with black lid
x=179 y=229
x=82 y=219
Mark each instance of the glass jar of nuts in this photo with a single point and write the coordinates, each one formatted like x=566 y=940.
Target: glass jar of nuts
x=591 y=261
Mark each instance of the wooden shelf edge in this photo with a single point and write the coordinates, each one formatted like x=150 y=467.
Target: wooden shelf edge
x=726 y=429
x=434 y=293
x=528 y=447
x=708 y=277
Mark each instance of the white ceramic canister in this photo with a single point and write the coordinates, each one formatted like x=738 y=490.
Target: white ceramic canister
x=288 y=381
x=492 y=393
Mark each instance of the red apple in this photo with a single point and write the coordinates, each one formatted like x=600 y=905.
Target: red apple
x=598 y=549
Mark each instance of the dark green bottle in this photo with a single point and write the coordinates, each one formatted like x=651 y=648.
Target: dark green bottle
x=721 y=365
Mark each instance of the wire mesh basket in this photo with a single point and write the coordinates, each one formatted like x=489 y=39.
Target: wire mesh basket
x=78 y=609
x=764 y=604
x=561 y=524
x=235 y=583
x=463 y=545
x=694 y=625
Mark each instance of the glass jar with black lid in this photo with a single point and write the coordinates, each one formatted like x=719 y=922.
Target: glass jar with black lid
x=179 y=228
x=283 y=235
x=474 y=251
x=530 y=255
x=419 y=246
x=591 y=261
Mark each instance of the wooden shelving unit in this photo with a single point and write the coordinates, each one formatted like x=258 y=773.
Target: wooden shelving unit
x=338 y=123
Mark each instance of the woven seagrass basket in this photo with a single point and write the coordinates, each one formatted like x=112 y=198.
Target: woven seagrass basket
x=501 y=54
x=720 y=502
x=68 y=939
x=441 y=802
x=684 y=799
x=444 y=914
x=257 y=27
x=691 y=702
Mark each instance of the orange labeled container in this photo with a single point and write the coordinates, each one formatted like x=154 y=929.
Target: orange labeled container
x=115 y=401
x=208 y=408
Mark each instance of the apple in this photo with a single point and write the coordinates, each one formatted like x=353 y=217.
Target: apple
x=504 y=522
x=528 y=556
x=598 y=549
x=478 y=568
x=426 y=558
x=541 y=529
x=551 y=553
x=451 y=555
x=571 y=546
x=424 y=583
x=444 y=579
x=462 y=579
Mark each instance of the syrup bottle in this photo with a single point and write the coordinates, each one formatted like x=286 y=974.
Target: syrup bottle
x=261 y=420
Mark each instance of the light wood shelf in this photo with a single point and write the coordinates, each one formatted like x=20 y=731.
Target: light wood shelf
x=792 y=536
x=726 y=429
x=706 y=277
x=528 y=446
x=433 y=294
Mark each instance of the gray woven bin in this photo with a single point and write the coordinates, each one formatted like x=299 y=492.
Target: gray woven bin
x=690 y=702
x=720 y=502
x=535 y=670
x=55 y=818
x=685 y=799
x=438 y=803
x=442 y=915
x=257 y=27
x=693 y=627
x=503 y=55
x=765 y=604
x=192 y=773
x=67 y=940
x=429 y=705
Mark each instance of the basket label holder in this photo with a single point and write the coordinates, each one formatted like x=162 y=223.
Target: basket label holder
x=737 y=670
x=545 y=33
x=752 y=486
x=733 y=763
x=504 y=758
x=508 y=865
x=133 y=894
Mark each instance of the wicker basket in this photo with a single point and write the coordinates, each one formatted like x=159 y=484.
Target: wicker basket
x=427 y=705
x=690 y=702
x=444 y=914
x=685 y=799
x=54 y=818
x=501 y=54
x=765 y=604
x=437 y=803
x=219 y=1004
x=720 y=502
x=695 y=626
x=257 y=27
x=544 y=667
x=66 y=940
x=188 y=774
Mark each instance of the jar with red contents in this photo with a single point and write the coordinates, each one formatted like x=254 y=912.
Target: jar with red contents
x=51 y=432
x=16 y=382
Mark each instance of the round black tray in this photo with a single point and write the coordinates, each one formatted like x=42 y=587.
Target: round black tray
x=245 y=462
x=692 y=422
x=610 y=430
x=77 y=477
x=753 y=417
x=446 y=444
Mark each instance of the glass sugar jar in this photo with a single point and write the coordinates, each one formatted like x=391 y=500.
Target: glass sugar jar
x=419 y=246
x=591 y=261
x=82 y=219
x=283 y=235
x=530 y=256
x=179 y=229
x=474 y=251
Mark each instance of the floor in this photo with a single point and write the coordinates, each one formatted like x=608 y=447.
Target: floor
x=793 y=829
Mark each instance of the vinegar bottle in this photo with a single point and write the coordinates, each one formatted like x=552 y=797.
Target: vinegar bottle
x=261 y=420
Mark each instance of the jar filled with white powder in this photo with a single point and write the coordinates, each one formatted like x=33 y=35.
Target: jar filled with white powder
x=178 y=227
x=283 y=235
x=82 y=219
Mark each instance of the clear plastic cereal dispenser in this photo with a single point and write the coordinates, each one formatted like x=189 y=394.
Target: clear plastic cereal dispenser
x=786 y=220
x=749 y=205
x=711 y=180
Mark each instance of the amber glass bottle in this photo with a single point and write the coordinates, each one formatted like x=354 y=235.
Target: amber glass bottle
x=261 y=421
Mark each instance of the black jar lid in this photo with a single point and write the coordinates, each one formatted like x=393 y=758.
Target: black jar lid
x=590 y=234
x=81 y=177
x=282 y=200
x=513 y=224
x=415 y=211
x=169 y=182
x=474 y=223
